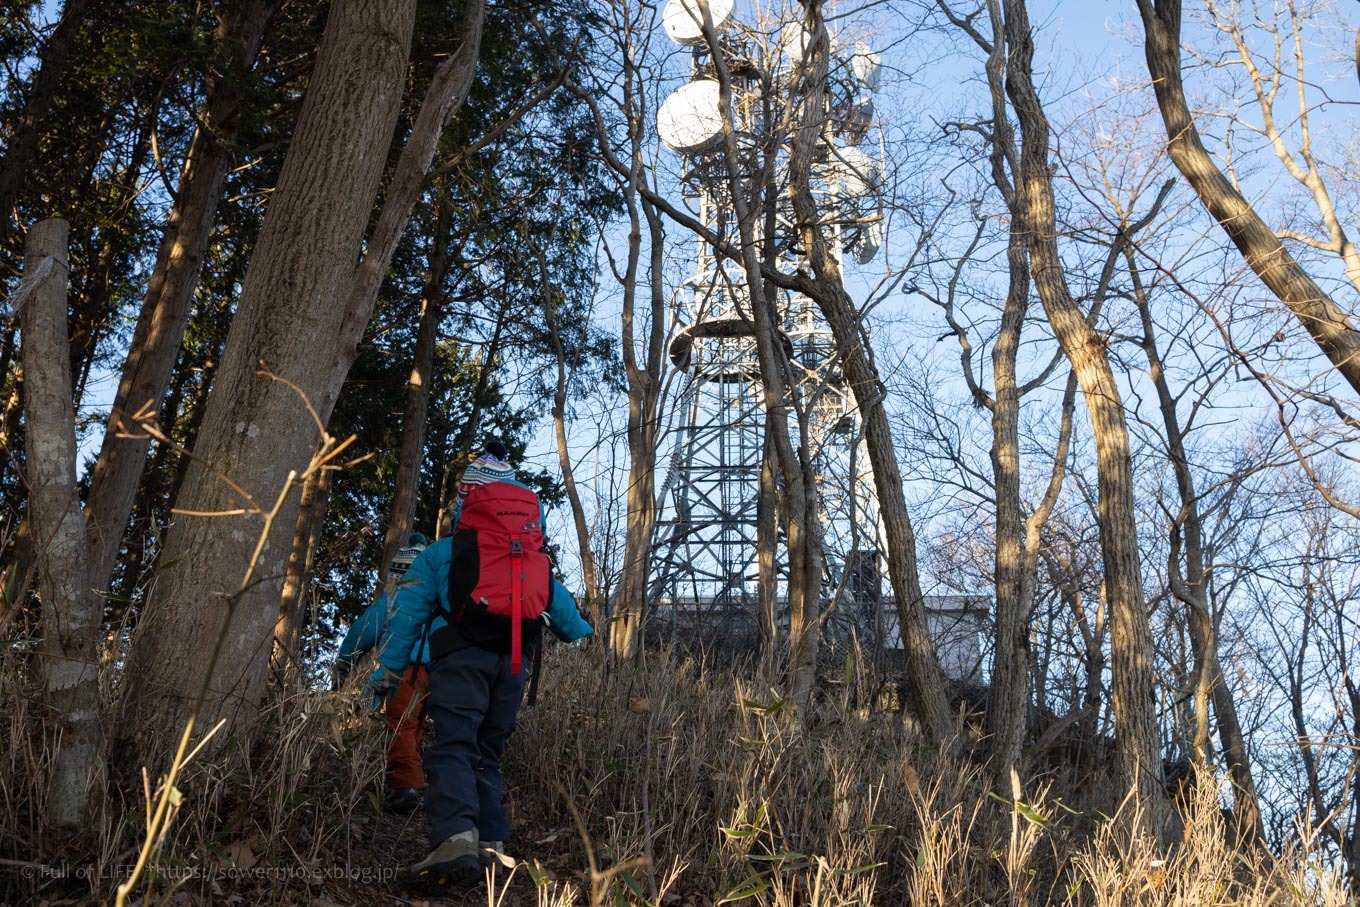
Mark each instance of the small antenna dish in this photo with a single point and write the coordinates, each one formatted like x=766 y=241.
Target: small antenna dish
x=867 y=242
x=857 y=172
x=690 y=120
x=683 y=19
x=793 y=42
x=867 y=67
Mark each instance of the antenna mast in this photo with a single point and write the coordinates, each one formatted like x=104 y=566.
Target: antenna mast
x=704 y=570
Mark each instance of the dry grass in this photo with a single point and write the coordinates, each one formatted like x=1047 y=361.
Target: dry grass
x=680 y=785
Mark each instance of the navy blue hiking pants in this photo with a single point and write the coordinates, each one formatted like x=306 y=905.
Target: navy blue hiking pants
x=474 y=700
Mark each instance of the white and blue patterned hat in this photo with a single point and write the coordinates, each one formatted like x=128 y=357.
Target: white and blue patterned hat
x=405 y=557
x=486 y=468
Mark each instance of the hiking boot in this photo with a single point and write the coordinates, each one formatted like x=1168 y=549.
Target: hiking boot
x=454 y=860
x=401 y=799
x=492 y=853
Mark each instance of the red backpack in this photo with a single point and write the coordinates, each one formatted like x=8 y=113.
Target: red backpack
x=499 y=579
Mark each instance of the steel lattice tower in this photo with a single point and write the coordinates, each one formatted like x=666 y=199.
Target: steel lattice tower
x=706 y=552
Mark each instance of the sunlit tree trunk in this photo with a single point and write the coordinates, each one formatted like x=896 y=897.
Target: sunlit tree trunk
x=202 y=629
x=1130 y=638
x=644 y=432
x=1006 y=713
x=927 y=694
x=415 y=418
x=293 y=599
x=1329 y=325
x=642 y=344
x=800 y=496
x=156 y=340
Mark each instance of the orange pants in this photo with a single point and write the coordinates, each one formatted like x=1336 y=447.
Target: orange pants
x=406 y=724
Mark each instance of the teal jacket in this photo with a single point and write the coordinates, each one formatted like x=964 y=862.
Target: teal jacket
x=367 y=630
x=425 y=591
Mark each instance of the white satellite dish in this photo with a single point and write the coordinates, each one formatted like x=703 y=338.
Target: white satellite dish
x=856 y=171
x=867 y=242
x=683 y=19
x=867 y=67
x=793 y=41
x=690 y=120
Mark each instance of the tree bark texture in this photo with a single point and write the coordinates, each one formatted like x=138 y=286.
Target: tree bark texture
x=1007 y=714
x=1131 y=651
x=301 y=557
x=767 y=559
x=644 y=394
x=415 y=419
x=1328 y=324
x=17 y=576
x=629 y=608
x=202 y=631
x=1017 y=539
x=169 y=297
x=70 y=612
x=447 y=91
x=927 y=695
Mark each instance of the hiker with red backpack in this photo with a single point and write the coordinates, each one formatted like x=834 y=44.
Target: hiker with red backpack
x=483 y=595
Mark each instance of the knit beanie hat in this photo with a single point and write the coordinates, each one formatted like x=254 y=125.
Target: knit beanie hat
x=486 y=468
x=405 y=557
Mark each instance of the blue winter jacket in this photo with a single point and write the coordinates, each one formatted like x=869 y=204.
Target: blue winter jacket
x=368 y=629
x=425 y=590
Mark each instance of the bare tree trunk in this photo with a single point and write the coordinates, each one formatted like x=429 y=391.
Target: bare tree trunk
x=644 y=382
x=448 y=89
x=18 y=573
x=169 y=297
x=1014 y=561
x=927 y=694
x=203 y=630
x=644 y=435
x=406 y=485
x=800 y=491
x=767 y=557
x=301 y=557
x=769 y=503
x=559 y=417
x=1329 y=325
x=1006 y=715
x=70 y=612
x=1192 y=589
x=1131 y=638
x=21 y=147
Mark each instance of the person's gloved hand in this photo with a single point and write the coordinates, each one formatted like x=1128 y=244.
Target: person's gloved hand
x=339 y=673
x=383 y=684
